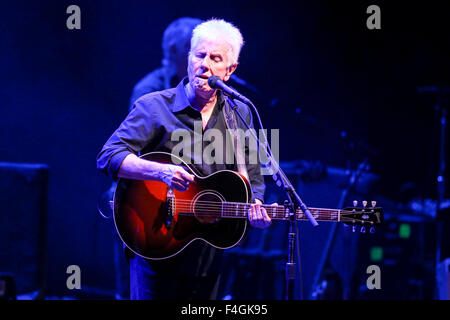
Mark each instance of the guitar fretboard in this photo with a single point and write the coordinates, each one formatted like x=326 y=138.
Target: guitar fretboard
x=240 y=210
x=366 y=215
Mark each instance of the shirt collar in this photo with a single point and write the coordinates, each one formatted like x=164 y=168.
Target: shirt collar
x=181 y=101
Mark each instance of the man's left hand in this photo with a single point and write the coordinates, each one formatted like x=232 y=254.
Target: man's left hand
x=257 y=215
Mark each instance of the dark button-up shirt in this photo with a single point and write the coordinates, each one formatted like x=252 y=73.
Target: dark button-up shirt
x=152 y=122
x=149 y=127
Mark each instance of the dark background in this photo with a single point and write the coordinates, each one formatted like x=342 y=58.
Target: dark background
x=63 y=92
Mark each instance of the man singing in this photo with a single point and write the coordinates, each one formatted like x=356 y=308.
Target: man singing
x=194 y=272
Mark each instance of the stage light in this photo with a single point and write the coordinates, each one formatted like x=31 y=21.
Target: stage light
x=404 y=231
x=376 y=254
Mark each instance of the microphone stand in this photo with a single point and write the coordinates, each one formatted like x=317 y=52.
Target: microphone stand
x=294 y=202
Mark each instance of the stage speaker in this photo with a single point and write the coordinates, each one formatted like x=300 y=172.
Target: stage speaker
x=23 y=202
x=443 y=279
x=7 y=287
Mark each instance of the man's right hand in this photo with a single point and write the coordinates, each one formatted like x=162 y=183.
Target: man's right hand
x=175 y=177
x=136 y=168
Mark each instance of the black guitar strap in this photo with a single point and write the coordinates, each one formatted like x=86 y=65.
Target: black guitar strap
x=238 y=145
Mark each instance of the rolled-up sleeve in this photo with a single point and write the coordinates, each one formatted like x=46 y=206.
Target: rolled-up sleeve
x=133 y=135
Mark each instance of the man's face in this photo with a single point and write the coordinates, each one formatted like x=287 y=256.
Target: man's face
x=208 y=58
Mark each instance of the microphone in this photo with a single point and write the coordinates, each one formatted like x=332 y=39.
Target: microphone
x=216 y=83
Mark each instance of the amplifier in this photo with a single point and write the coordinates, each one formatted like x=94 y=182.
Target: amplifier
x=23 y=202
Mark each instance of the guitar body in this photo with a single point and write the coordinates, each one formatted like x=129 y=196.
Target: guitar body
x=157 y=222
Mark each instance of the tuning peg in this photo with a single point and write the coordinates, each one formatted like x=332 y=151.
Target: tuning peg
x=363 y=229
x=355 y=203
x=372 y=230
x=374 y=203
x=364 y=203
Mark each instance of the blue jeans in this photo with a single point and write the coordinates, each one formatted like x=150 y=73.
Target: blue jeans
x=149 y=283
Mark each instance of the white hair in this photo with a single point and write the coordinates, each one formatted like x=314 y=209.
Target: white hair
x=214 y=29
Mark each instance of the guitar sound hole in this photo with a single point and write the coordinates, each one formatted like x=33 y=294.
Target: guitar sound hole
x=208 y=207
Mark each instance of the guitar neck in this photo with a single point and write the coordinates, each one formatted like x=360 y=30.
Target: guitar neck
x=275 y=212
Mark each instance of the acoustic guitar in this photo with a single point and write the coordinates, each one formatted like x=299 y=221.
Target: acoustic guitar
x=158 y=222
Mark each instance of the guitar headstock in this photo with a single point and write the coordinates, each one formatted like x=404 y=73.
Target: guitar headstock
x=365 y=216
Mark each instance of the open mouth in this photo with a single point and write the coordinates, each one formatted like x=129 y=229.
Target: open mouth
x=203 y=77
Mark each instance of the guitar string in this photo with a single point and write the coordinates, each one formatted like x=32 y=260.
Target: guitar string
x=243 y=213
x=208 y=211
x=213 y=209
x=270 y=212
x=215 y=205
x=210 y=208
x=220 y=204
x=270 y=209
x=282 y=211
x=245 y=203
x=177 y=200
x=343 y=219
